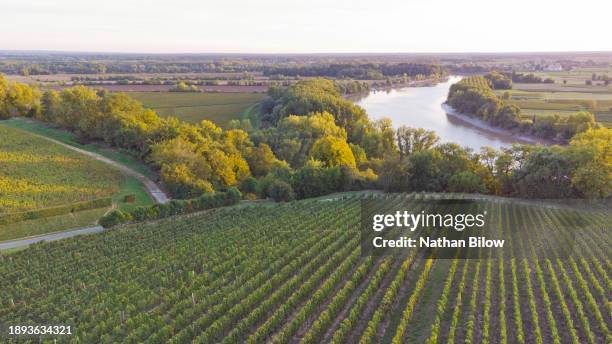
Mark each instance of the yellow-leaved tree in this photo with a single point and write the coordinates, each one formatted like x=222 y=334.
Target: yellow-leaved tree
x=592 y=151
x=333 y=151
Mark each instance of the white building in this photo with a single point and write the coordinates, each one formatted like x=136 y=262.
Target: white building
x=555 y=67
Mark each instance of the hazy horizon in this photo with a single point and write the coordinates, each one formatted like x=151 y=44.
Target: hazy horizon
x=330 y=53
x=316 y=27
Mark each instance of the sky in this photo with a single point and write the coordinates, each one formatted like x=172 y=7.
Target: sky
x=312 y=26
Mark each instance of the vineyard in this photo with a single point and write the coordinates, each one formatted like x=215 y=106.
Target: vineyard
x=476 y=82
x=36 y=174
x=294 y=273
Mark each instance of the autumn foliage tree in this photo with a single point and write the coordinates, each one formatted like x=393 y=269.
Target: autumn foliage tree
x=333 y=151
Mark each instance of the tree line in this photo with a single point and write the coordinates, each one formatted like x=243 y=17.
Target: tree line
x=362 y=71
x=582 y=169
x=474 y=95
x=528 y=78
x=310 y=141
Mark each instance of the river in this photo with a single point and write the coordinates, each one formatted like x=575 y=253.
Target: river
x=421 y=107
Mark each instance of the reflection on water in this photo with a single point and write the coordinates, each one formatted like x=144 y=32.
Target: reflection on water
x=420 y=107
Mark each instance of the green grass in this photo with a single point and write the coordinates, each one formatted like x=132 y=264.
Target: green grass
x=219 y=108
x=50 y=224
x=132 y=186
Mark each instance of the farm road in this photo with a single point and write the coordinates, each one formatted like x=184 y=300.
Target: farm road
x=48 y=237
x=158 y=195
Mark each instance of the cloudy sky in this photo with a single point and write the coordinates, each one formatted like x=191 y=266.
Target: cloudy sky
x=298 y=26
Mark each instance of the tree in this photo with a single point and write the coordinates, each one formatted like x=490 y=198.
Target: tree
x=50 y=103
x=280 y=191
x=545 y=174
x=114 y=218
x=25 y=100
x=4 y=98
x=249 y=185
x=467 y=182
x=453 y=159
x=508 y=116
x=332 y=151
x=18 y=99
x=499 y=81
x=314 y=180
x=392 y=174
x=359 y=154
x=261 y=160
x=80 y=110
x=294 y=137
x=411 y=140
x=592 y=155
x=578 y=123
x=184 y=87
x=424 y=171
x=181 y=182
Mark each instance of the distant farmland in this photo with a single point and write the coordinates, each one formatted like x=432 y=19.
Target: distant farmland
x=563 y=100
x=219 y=108
x=570 y=92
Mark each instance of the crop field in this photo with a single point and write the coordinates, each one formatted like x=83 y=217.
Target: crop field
x=219 y=108
x=68 y=138
x=549 y=102
x=576 y=76
x=293 y=272
x=37 y=174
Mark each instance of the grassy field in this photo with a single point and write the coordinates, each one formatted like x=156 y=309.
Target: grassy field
x=575 y=77
x=37 y=174
x=131 y=186
x=294 y=272
x=219 y=108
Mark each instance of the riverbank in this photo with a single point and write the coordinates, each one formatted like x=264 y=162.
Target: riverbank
x=484 y=126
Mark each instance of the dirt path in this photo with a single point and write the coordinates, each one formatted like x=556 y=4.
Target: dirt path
x=49 y=237
x=156 y=193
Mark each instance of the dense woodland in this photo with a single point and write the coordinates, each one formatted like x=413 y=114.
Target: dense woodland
x=474 y=95
x=311 y=141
